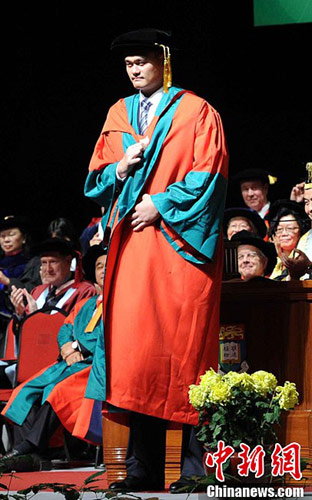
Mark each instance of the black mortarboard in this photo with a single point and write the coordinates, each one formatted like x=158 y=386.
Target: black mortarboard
x=62 y=246
x=143 y=38
x=147 y=38
x=9 y=221
x=247 y=213
x=255 y=173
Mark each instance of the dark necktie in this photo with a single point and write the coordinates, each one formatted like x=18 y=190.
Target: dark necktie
x=145 y=106
x=51 y=298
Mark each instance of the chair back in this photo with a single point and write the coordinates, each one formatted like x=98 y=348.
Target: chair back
x=9 y=343
x=38 y=345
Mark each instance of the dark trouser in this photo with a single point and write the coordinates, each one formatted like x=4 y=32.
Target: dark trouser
x=34 y=434
x=191 y=454
x=146 y=451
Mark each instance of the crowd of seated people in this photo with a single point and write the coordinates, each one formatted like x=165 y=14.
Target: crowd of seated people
x=54 y=274
x=55 y=396
x=62 y=285
x=287 y=224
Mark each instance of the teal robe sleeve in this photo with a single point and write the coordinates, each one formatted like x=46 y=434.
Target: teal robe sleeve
x=75 y=329
x=100 y=186
x=194 y=207
x=65 y=334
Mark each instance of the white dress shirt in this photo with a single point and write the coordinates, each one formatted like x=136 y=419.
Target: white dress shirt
x=155 y=100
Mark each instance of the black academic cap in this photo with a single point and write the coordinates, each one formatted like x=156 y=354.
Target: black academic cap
x=268 y=249
x=90 y=258
x=10 y=221
x=62 y=246
x=147 y=38
x=285 y=204
x=247 y=213
x=254 y=173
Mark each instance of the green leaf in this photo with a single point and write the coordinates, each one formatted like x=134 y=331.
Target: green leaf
x=93 y=476
x=217 y=431
x=262 y=404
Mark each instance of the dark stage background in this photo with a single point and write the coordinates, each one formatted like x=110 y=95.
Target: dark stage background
x=60 y=79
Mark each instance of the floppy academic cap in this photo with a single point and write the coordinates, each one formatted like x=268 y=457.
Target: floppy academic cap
x=62 y=246
x=247 y=213
x=286 y=204
x=147 y=38
x=255 y=173
x=10 y=221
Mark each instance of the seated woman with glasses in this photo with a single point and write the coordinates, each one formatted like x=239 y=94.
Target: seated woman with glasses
x=288 y=222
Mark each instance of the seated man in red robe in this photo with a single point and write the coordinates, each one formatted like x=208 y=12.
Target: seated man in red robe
x=61 y=288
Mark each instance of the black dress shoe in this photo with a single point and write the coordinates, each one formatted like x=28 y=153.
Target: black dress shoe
x=19 y=463
x=132 y=483
x=187 y=485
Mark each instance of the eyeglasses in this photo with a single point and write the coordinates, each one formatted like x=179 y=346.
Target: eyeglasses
x=290 y=229
x=247 y=255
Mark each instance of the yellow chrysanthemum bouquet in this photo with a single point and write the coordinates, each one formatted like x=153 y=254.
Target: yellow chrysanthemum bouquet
x=240 y=407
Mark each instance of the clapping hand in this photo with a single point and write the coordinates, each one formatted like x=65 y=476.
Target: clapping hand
x=298 y=265
x=18 y=296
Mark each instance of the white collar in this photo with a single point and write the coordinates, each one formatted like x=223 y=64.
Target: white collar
x=155 y=97
x=264 y=210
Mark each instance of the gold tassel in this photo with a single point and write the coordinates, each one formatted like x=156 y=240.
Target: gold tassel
x=167 y=78
x=272 y=179
x=308 y=183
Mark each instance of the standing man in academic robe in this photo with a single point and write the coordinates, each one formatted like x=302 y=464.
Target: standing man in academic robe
x=159 y=169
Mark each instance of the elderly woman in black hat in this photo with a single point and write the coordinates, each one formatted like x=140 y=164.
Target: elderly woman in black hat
x=243 y=219
x=13 y=255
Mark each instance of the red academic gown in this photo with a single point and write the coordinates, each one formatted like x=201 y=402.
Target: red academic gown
x=68 y=296
x=161 y=309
